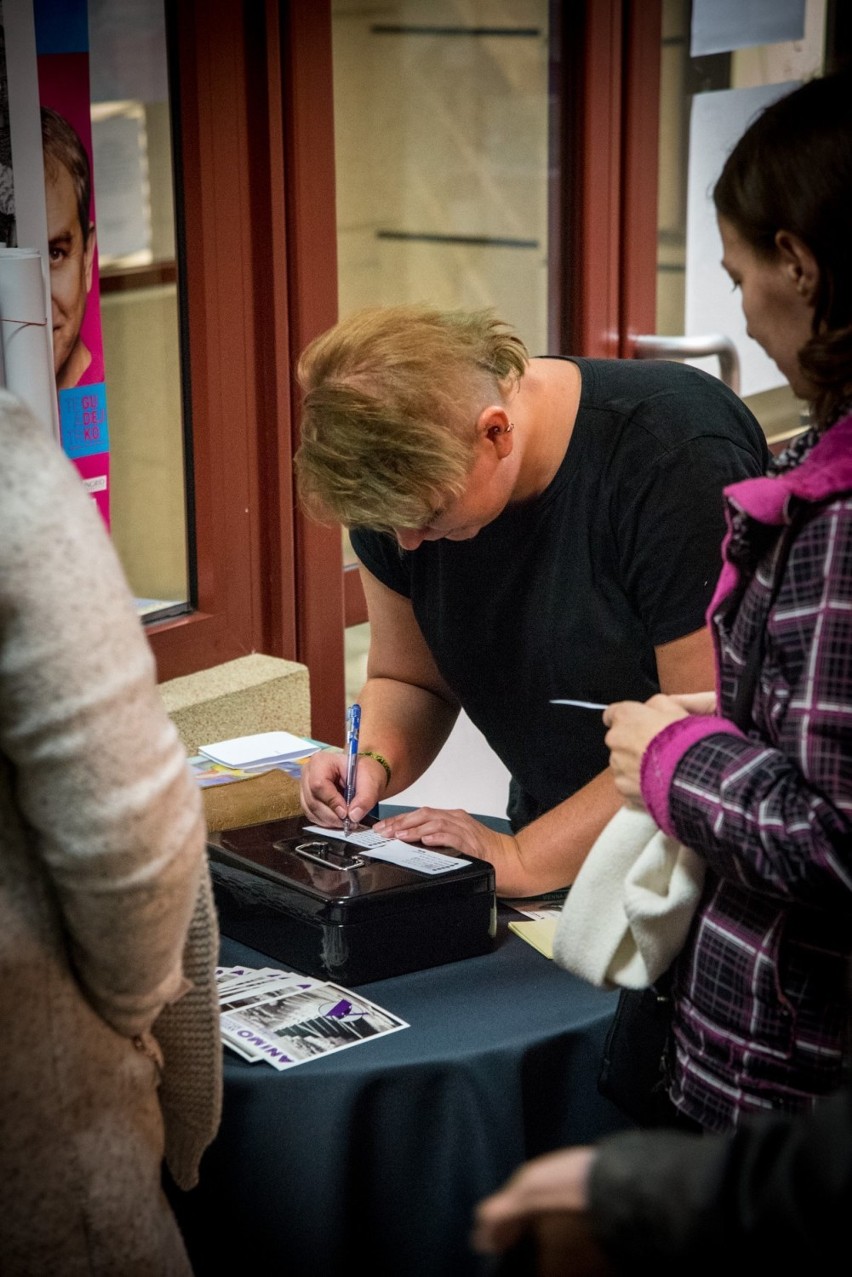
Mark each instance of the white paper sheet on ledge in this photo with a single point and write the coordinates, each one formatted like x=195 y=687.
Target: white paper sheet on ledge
x=261 y=749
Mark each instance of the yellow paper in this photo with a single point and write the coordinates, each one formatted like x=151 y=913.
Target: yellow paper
x=538 y=933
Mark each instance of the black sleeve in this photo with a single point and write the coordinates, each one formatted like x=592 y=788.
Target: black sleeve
x=381 y=555
x=670 y=516
x=775 y=1194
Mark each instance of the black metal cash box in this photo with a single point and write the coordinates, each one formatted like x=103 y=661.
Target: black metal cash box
x=325 y=908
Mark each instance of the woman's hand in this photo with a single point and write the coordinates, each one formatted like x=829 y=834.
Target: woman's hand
x=632 y=726
x=697 y=702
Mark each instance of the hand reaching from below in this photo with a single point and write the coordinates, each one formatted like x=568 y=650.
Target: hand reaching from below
x=547 y=1198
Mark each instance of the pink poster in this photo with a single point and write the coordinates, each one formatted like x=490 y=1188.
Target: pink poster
x=63 y=74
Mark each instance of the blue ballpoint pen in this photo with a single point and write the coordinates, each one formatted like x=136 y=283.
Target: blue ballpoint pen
x=354 y=717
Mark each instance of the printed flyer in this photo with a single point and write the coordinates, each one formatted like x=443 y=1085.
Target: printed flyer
x=62 y=54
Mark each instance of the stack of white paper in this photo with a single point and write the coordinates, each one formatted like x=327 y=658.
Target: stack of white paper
x=264 y=750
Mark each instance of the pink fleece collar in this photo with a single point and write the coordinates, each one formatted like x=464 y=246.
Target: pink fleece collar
x=825 y=471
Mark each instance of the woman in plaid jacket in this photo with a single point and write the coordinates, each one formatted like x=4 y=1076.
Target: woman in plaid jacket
x=757 y=777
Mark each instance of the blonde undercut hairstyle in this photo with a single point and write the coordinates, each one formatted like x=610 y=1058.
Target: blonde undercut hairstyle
x=391 y=399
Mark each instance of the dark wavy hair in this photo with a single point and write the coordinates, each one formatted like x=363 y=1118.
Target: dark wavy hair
x=792 y=170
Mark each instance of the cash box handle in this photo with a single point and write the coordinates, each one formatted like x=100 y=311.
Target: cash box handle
x=322 y=853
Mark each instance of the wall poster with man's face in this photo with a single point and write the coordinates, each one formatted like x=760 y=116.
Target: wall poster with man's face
x=62 y=54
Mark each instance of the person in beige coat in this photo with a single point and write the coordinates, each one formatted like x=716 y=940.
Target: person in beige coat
x=110 y=1056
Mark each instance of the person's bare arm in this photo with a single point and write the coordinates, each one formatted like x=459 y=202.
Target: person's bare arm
x=407 y=710
x=686 y=665
x=547 y=854
x=407 y=713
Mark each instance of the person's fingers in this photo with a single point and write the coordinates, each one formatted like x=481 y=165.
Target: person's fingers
x=319 y=788
x=496 y=1226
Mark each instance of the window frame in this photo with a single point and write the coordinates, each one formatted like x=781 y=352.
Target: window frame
x=252 y=103
x=254 y=164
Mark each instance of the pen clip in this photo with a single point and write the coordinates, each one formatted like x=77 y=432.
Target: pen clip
x=353 y=733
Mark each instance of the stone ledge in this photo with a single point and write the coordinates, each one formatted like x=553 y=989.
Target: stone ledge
x=254 y=693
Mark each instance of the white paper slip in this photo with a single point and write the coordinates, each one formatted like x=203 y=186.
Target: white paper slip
x=395 y=852
x=580 y=704
x=416 y=858
x=253 y=751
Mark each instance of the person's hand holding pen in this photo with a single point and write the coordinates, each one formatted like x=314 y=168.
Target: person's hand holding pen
x=334 y=788
x=352 y=737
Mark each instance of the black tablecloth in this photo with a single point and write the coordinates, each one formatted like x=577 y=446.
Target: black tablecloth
x=378 y=1153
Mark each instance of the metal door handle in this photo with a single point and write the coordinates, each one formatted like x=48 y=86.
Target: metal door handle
x=653 y=346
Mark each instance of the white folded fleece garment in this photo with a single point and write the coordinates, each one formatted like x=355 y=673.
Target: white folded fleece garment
x=627 y=914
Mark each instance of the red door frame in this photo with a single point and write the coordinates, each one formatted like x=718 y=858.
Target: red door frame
x=254 y=99
x=611 y=132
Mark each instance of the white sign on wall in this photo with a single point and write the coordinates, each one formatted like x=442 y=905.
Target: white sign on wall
x=718 y=26
x=717 y=122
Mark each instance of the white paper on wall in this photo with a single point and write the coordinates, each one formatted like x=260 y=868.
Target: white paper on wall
x=717 y=122
x=718 y=26
x=124 y=198
x=24 y=345
x=25 y=337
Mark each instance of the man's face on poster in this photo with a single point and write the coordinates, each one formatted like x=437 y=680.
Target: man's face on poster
x=70 y=275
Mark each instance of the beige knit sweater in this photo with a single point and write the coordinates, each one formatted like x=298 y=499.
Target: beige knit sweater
x=109 y=1043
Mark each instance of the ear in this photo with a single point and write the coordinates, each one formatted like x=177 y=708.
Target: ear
x=494 y=427
x=799 y=262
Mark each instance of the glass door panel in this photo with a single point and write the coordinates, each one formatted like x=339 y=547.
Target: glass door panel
x=131 y=137
x=441 y=120
x=442 y=171
x=713 y=79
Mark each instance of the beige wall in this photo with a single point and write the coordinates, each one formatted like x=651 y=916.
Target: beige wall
x=443 y=135
x=142 y=361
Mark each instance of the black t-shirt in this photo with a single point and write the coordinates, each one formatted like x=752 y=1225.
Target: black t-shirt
x=567 y=595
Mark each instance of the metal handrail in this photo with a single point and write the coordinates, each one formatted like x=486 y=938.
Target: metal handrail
x=654 y=346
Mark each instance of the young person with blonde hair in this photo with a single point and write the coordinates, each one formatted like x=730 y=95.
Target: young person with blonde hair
x=527 y=529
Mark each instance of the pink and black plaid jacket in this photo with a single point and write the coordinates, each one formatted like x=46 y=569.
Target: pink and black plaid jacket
x=760 y=990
